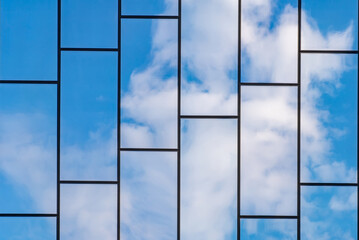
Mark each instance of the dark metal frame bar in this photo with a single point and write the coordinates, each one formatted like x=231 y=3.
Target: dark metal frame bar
x=329 y=51
x=90 y=49
x=28 y=215
x=58 y=117
x=28 y=82
x=239 y=79
x=119 y=23
x=299 y=66
x=150 y=16
x=179 y=81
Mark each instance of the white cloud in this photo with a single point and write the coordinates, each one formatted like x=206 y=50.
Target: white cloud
x=149 y=195
x=209 y=179
x=88 y=212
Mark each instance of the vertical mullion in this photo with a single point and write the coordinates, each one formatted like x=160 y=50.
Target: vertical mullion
x=58 y=117
x=179 y=36
x=298 y=119
x=357 y=131
x=239 y=125
x=119 y=22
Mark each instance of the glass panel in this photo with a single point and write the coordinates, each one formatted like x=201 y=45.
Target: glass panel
x=329 y=118
x=149 y=83
x=89 y=23
x=28 y=40
x=88 y=212
x=29 y=228
x=330 y=24
x=269 y=150
x=259 y=229
x=329 y=213
x=269 y=41
x=148 y=195
x=209 y=179
x=89 y=116
x=27 y=148
x=149 y=7
x=209 y=57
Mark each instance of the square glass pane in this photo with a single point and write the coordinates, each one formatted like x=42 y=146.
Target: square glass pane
x=149 y=7
x=29 y=228
x=209 y=179
x=269 y=41
x=28 y=40
x=28 y=148
x=149 y=83
x=329 y=122
x=209 y=55
x=329 y=213
x=329 y=24
x=89 y=23
x=148 y=195
x=259 y=229
x=268 y=150
x=88 y=212
x=89 y=116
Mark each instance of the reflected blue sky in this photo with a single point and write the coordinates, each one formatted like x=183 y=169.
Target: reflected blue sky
x=28 y=40
x=259 y=229
x=28 y=228
x=89 y=115
x=332 y=16
x=329 y=213
x=334 y=100
x=89 y=23
x=27 y=148
x=149 y=7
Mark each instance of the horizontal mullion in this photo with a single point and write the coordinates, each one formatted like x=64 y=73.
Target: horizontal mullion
x=149 y=149
x=269 y=84
x=329 y=184
x=28 y=81
x=330 y=51
x=149 y=17
x=86 y=182
x=209 y=116
x=267 y=217
x=28 y=215
x=91 y=49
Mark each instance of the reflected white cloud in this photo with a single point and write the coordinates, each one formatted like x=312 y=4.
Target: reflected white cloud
x=212 y=91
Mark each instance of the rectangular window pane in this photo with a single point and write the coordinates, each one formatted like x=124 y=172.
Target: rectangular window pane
x=329 y=212
x=28 y=40
x=269 y=41
x=149 y=7
x=88 y=212
x=29 y=228
x=209 y=58
x=27 y=148
x=329 y=24
x=148 y=195
x=149 y=83
x=209 y=179
x=89 y=23
x=259 y=229
x=329 y=123
x=89 y=116
x=269 y=150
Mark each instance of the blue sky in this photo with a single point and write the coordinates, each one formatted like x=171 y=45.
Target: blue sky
x=28 y=48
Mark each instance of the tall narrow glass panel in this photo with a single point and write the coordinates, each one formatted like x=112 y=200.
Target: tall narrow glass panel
x=209 y=179
x=269 y=150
